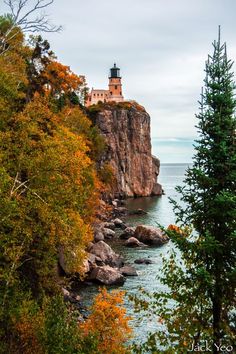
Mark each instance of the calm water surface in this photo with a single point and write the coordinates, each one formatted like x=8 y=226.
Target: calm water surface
x=159 y=211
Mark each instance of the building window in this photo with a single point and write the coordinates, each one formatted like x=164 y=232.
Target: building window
x=101 y=94
x=111 y=93
x=120 y=93
x=115 y=87
x=94 y=95
x=98 y=94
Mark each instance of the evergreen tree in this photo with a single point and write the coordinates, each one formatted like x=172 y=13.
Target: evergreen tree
x=200 y=303
x=209 y=191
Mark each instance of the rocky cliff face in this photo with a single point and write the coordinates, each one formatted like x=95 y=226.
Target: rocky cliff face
x=126 y=129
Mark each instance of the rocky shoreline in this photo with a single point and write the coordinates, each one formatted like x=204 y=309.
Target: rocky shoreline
x=103 y=265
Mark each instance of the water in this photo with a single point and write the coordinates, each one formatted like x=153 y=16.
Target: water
x=170 y=150
x=159 y=208
x=159 y=211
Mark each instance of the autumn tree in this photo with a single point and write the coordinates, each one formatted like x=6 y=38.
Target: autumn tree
x=49 y=193
x=198 y=306
x=108 y=323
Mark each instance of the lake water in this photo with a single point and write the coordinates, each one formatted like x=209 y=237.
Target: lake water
x=170 y=150
x=159 y=211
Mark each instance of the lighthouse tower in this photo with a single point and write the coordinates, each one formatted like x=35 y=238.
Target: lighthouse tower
x=114 y=93
x=115 y=86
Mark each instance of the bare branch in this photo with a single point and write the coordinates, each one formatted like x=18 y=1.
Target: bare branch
x=17 y=185
x=14 y=184
x=22 y=13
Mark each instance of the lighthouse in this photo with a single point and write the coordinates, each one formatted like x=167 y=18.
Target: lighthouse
x=115 y=85
x=114 y=92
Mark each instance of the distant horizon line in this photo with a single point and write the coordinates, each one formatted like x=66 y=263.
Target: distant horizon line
x=176 y=163
x=173 y=138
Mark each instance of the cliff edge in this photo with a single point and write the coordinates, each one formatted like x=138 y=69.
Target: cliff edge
x=126 y=129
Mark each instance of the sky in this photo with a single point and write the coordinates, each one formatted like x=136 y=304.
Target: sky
x=160 y=45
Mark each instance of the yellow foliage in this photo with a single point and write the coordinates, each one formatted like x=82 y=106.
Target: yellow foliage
x=108 y=321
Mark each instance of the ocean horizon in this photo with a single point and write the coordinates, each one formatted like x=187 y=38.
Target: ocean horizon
x=173 y=150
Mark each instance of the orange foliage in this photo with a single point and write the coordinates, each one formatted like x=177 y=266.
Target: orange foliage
x=181 y=231
x=27 y=326
x=175 y=228
x=61 y=79
x=108 y=321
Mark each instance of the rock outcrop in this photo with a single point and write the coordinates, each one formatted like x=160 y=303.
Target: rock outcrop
x=106 y=254
x=134 y=242
x=126 y=129
x=107 y=275
x=150 y=235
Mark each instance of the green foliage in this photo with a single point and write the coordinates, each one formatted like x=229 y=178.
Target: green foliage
x=60 y=330
x=106 y=174
x=98 y=145
x=49 y=195
x=5 y=22
x=199 y=302
x=128 y=105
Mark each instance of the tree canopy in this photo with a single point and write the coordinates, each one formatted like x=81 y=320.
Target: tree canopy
x=49 y=188
x=198 y=306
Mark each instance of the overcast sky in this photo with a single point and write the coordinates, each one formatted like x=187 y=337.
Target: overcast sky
x=160 y=45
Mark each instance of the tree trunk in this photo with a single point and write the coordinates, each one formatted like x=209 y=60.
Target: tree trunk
x=217 y=310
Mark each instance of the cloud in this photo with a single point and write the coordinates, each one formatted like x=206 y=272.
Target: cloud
x=160 y=45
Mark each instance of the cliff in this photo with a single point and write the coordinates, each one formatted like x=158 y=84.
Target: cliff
x=126 y=129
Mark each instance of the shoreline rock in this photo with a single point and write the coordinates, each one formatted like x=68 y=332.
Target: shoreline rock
x=107 y=275
x=127 y=233
x=134 y=242
x=143 y=261
x=102 y=250
x=103 y=264
x=128 y=271
x=150 y=235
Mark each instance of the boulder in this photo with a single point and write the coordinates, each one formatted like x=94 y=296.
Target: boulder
x=137 y=212
x=65 y=292
x=66 y=260
x=98 y=236
x=89 y=246
x=127 y=233
x=118 y=222
x=106 y=254
x=94 y=260
x=85 y=268
x=114 y=203
x=143 y=261
x=128 y=271
x=157 y=189
x=107 y=275
x=108 y=233
x=109 y=225
x=71 y=297
x=150 y=235
x=133 y=242
x=120 y=211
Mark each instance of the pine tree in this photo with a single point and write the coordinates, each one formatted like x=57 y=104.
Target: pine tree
x=210 y=187
x=200 y=303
